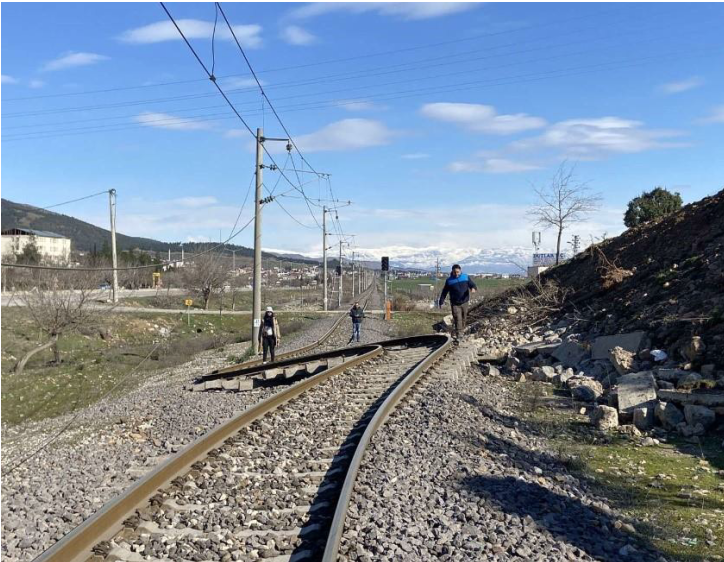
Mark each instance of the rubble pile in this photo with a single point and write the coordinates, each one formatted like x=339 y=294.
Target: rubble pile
x=642 y=350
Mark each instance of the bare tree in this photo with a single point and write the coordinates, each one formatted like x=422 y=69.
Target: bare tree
x=562 y=202
x=207 y=274
x=59 y=303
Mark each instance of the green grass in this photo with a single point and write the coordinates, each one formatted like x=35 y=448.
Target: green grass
x=407 y=324
x=91 y=366
x=675 y=490
x=242 y=300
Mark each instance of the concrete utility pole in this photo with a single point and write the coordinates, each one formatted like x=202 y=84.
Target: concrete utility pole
x=324 y=254
x=352 y=275
x=114 y=257
x=341 y=272
x=256 y=284
x=233 y=260
x=182 y=254
x=169 y=255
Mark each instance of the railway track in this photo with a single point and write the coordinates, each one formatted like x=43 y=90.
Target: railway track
x=274 y=482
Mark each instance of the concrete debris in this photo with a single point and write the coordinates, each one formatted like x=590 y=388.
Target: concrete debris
x=584 y=389
x=668 y=415
x=569 y=353
x=636 y=389
x=623 y=361
x=630 y=342
x=604 y=417
x=699 y=415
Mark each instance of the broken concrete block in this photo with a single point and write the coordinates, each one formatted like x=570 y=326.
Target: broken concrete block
x=543 y=374
x=604 y=417
x=630 y=342
x=537 y=347
x=634 y=390
x=585 y=389
x=569 y=353
x=711 y=400
x=671 y=375
x=643 y=417
x=623 y=361
x=668 y=414
x=699 y=415
x=689 y=381
x=561 y=379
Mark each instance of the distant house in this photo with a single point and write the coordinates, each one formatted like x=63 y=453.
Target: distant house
x=53 y=247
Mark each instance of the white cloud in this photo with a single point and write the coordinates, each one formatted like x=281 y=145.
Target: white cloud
x=682 y=86
x=248 y=35
x=415 y=156
x=599 y=137
x=491 y=166
x=716 y=115
x=481 y=118
x=239 y=82
x=404 y=10
x=72 y=60
x=236 y=133
x=35 y=84
x=6 y=79
x=347 y=134
x=195 y=201
x=360 y=106
x=295 y=35
x=166 y=121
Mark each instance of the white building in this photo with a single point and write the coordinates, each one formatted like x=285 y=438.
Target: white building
x=53 y=247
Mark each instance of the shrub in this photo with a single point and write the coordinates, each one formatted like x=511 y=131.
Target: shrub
x=651 y=205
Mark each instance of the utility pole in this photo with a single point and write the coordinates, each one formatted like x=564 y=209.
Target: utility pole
x=256 y=298
x=233 y=260
x=341 y=272
x=324 y=254
x=114 y=257
x=169 y=255
x=352 y=275
x=437 y=276
x=182 y=254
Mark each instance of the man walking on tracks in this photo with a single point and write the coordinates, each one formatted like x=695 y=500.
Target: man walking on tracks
x=357 y=313
x=459 y=286
x=269 y=334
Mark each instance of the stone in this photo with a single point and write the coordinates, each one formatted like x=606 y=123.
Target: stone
x=490 y=370
x=536 y=348
x=561 y=379
x=635 y=390
x=584 y=389
x=630 y=430
x=604 y=417
x=689 y=381
x=668 y=414
x=643 y=417
x=513 y=363
x=623 y=361
x=630 y=342
x=670 y=375
x=710 y=399
x=699 y=415
x=543 y=374
x=708 y=370
x=569 y=353
x=522 y=377
x=512 y=310
x=693 y=349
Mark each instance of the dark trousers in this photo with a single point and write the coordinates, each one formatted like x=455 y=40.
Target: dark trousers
x=268 y=344
x=460 y=317
x=355 y=330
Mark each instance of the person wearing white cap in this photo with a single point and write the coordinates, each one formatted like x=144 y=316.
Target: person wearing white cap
x=269 y=334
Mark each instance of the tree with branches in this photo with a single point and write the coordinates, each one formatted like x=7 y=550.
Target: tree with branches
x=206 y=275
x=60 y=303
x=563 y=202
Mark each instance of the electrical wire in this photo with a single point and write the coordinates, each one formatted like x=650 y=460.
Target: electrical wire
x=74 y=200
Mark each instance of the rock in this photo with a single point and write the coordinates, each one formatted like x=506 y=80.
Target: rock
x=490 y=370
x=538 y=347
x=648 y=442
x=693 y=349
x=670 y=375
x=561 y=379
x=708 y=370
x=643 y=417
x=543 y=374
x=699 y=415
x=668 y=414
x=584 y=389
x=710 y=399
x=513 y=363
x=522 y=377
x=665 y=385
x=635 y=390
x=630 y=342
x=569 y=353
x=623 y=361
x=630 y=430
x=604 y=417
x=689 y=381
x=512 y=310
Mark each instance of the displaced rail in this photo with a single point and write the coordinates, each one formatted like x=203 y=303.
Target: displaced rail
x=271 y=481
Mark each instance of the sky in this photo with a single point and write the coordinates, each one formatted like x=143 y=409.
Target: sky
x=435 y=120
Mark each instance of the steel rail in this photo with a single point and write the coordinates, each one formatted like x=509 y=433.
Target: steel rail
x=331 y=549
x=76 y=545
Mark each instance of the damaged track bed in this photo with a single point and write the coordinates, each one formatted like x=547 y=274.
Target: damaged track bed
x=274 y=482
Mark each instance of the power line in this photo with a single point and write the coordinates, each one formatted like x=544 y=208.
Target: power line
x=75 y=200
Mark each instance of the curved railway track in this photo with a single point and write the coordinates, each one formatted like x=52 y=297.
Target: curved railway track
x=274 y=482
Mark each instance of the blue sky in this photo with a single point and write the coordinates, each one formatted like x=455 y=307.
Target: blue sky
x=434 y=119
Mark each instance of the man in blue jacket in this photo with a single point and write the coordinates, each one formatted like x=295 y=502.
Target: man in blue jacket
x=459 y=286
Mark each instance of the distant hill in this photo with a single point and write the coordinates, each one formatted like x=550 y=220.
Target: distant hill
x=84 y=236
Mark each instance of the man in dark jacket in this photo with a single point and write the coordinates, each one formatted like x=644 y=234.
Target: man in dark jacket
x=459 y=286
x=357 y=313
